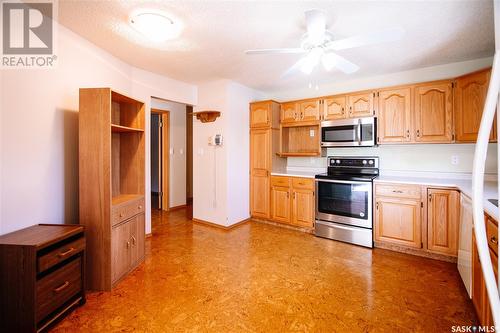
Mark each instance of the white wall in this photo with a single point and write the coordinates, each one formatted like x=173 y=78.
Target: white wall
x=421 y=157
x=220 y=174
x=39 y=129
x=387 y=80
x=177 y=137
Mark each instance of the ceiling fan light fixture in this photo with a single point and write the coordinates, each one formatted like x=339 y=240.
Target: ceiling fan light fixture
x=155 y=26
x=329 y=62
x=311 y=60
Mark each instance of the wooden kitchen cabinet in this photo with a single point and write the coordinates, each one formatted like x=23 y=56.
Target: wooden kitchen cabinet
x=264 y=145
x=398 y=221
x=293 y=201
x=361 y=104
x=394 y=115
x=289 y=112
x=260 y=114
x=469 y=97
x=443 y=214
x=433 y=112
x=334 y=108
x=309 y=110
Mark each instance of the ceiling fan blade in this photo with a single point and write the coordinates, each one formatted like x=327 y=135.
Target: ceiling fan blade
x=331 y=60
x=316 y=25
x=295 y=68
x=275 y=51
x=375 y=37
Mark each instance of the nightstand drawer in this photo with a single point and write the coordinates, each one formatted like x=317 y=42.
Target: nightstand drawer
x=58 y=287
x=61 y=253
x=127 y=210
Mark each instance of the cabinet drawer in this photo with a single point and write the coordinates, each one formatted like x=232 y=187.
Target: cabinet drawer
x=126 y=210
x=61 y=253
x=57 y=288
x=399 y=191
x=492 y=235
x=280 y=181
x=303 y=183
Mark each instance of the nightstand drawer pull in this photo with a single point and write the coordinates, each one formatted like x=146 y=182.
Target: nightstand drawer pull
x=61 y=287
x=65 y=253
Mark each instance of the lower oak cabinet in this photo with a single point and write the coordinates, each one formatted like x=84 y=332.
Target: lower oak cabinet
x=403 y=220
x=479 y=294
x=398 y=217
x=292 y=201
x=127 y=246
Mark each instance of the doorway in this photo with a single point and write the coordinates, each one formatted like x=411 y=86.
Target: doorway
x=160 y=161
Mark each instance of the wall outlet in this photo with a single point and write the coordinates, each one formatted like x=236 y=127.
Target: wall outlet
x=455 y=160
x=311 y=133
x=171 y=151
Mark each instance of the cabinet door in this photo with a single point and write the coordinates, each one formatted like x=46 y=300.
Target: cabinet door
x=398 y=221
x=442 y=221
x=303 y=208
x=137 y=239
x=280 y=204
x=309 y=110
x=478 y=287
x=334 y=108
x=469 y=97
x=289 y=112
x=260 y=114
x=120 y=250
x=259 y=195
x=260 y=149
x=394 y=116
x=361 y=104
x=433 y=113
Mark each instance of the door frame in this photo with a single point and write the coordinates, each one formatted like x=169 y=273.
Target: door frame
x=164 y=157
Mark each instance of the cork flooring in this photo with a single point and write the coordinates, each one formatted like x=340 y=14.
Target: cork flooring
x=263 y=278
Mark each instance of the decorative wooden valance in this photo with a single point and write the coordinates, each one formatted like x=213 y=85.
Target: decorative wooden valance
x=207 y=116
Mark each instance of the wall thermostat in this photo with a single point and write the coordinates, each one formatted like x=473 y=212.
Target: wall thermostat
x=215 y=140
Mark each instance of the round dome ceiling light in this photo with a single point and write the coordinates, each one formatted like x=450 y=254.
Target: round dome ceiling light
x=155 y=26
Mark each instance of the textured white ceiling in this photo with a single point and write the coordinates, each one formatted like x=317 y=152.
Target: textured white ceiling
x=217 y=33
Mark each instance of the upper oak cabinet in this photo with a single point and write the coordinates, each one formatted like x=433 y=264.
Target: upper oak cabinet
x=300 y=111
x=394 y=115
x=334 y=108
x=434 y=112
x=260 y=114
x=469 y=97
x=361 y=104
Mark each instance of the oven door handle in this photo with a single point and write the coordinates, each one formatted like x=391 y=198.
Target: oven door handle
x=342 y=181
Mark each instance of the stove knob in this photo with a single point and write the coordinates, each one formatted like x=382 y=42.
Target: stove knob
x=338 y=161
x=370 y=162
x=364 y=162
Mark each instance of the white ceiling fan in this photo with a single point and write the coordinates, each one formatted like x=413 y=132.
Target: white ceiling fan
x=319 y=45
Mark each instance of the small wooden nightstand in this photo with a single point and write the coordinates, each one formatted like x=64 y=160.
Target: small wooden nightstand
x=42 y=275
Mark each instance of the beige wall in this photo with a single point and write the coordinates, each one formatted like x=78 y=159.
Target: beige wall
x=39 y=129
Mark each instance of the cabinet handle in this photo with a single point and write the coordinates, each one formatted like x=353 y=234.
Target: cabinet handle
x=294 y=195
x=121 y=214
x=494 y=240
x=418 y=133
x=288 y=194
x=430 y=197
x=61 y=287
x=133 y=240
x=128 y=244
x=140 y=207
x=65 y=253
x=377 y=205
x=397 y=191
x=408 y=134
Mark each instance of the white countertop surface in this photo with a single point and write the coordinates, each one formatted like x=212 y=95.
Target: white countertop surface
x=464 y=185
x=288 y=173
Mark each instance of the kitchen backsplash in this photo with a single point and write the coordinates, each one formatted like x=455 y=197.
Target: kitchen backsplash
x=422 y=157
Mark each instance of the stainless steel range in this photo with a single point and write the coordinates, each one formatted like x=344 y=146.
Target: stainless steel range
x=344 y=207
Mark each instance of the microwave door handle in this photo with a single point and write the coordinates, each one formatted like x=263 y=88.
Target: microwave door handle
x=358 y=132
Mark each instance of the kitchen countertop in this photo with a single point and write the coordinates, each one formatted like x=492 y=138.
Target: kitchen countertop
x=464 y=185
x=302 y=174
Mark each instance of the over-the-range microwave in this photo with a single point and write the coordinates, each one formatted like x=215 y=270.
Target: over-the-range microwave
x=353 y=132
